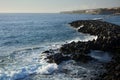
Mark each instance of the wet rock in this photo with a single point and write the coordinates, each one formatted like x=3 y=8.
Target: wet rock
x=46 y=51
x=57 y=58
x=108 y=40
x=108 y=34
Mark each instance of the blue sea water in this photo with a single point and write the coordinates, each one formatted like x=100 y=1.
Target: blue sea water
x=23 y=36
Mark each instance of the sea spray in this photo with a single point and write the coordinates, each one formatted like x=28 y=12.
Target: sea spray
x=34 y=66
x=50 y=68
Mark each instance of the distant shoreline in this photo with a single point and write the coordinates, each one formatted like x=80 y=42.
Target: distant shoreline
x=101 y=11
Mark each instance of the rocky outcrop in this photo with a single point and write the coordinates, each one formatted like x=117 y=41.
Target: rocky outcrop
x=108 y=40
x=58 y=57
x=108 y=34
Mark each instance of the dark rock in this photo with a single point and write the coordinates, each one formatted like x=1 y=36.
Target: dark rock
x=46 y=52
x=57 y=58
x=108 y=34
x=108 y=40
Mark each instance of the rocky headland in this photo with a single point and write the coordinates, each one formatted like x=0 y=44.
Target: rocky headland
x=108 y=40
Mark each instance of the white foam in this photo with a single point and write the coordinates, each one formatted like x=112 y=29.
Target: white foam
x=17 y=74
x=85 y=39
x=89 y=38
x=97 y=18
x=26 y=65
x=50 y=68
x=79 y=27
x=56 y=45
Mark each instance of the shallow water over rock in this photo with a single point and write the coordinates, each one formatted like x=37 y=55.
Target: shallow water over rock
x=101 y=55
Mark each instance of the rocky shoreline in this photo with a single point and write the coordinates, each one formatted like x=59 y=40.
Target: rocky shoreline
x=108 y=40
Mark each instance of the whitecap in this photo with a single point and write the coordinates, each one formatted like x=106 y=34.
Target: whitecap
x=50 y=68
x=26 y=65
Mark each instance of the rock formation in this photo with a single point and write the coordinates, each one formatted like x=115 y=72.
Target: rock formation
x=108 y=40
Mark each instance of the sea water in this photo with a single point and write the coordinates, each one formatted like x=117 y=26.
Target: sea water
x=24 y=36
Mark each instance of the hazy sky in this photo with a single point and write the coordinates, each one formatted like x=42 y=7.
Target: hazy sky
x=44 y=6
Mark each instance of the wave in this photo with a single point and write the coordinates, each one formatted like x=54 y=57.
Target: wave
x=24 y=62
x=24 y=72
x=50 y=68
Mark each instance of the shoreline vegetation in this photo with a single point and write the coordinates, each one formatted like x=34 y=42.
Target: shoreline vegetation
x=101 y=11
x=108 y=40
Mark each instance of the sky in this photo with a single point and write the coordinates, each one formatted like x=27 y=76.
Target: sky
x=53 y=6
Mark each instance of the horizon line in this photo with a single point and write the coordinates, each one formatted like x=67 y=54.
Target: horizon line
x=60 y=11
x=28 y=12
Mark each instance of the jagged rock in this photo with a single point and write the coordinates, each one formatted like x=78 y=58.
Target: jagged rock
x=57 y=58
x=108 y=34
x=108 y=40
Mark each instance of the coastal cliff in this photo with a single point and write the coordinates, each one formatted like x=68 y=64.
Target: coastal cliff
x=102 y=11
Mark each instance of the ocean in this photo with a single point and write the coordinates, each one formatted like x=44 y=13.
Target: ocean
x=24 y=36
